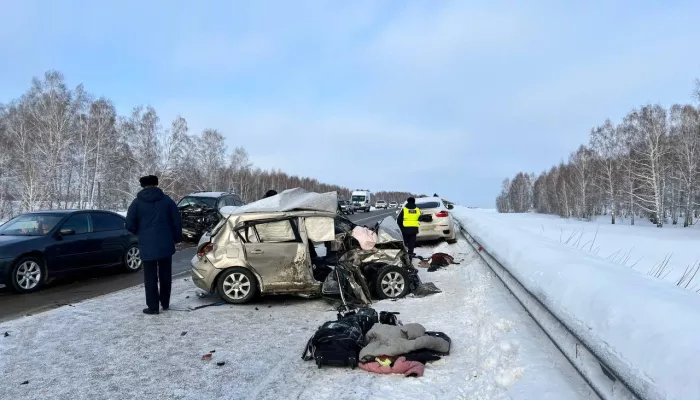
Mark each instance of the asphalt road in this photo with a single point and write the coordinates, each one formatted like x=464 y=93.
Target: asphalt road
x=100 y=282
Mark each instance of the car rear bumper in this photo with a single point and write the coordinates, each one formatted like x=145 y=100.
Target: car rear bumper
x=434 y=232
x=203 y=273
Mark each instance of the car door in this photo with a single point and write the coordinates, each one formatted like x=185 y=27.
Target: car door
x=277 y=253
x=110 y=237
x=72 y=249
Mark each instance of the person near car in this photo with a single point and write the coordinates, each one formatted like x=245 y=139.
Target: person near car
x=408 y=222
x=270 y=193
x=153 y=216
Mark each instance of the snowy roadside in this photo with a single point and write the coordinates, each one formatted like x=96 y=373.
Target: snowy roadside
x=642 y=328
x=667 y=253
x=105 y=348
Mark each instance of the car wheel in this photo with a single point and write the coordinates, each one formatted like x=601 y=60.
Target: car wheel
x=237 y=286
x=132 y=259
x=28 y=275
x=391 y=282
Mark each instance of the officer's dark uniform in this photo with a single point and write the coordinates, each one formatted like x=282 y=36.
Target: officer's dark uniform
x=408 y=221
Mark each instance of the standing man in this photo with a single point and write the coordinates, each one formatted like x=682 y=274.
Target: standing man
x=408 y=222
x=154 y=217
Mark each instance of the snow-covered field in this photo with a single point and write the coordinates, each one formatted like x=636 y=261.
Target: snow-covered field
x=643 y=328
x=642 y=247
x=106 y=348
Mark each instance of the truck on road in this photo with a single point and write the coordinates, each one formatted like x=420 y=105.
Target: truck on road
x=361 y=200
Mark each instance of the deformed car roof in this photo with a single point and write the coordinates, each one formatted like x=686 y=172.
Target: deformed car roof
x=296 y=199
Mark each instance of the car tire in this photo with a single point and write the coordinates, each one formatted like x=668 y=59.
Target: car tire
x=132 y=259
x=246 y=290
x=391 y=282
x=33 y=269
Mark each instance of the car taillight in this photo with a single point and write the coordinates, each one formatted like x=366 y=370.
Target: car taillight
x=441 y=214
x=205 y=249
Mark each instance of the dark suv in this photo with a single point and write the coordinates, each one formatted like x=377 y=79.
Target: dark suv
x=200 y=211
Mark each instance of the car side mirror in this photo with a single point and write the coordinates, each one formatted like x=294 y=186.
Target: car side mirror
x=66 y=232
x=450 y=206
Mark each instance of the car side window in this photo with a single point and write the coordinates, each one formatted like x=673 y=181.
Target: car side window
x=79 y=223
x=248 y=234
x=276 y=232
x=237 y=201
x=102 y=222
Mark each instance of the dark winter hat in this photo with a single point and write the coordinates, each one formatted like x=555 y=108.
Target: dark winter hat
x=270 y=193
x=149 y=180
x=410 y=200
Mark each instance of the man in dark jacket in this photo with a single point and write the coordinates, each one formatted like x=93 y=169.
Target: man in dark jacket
x=408 y=222
x=154 y=217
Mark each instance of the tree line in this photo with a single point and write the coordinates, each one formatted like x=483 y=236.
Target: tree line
x=645 y=166
x=65 y=148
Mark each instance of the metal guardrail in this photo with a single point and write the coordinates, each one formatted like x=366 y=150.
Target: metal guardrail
x=602 y=379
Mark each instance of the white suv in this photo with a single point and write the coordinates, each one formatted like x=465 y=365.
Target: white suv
x=380 y=204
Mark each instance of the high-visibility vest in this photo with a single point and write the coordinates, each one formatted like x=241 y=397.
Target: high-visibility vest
x=410 y=217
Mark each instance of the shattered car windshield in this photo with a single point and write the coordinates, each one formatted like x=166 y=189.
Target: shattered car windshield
x=197 y=202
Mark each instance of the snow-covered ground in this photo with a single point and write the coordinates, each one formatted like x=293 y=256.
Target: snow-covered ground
x=642 y=247
x=106 y=348
x=643 y=328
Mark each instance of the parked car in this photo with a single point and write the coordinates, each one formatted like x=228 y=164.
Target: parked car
x=39 y=246
x=200 y=211
x=436 y=220
x=264 y=250
x=380 y=204
x=393 y=204
x=346 y=207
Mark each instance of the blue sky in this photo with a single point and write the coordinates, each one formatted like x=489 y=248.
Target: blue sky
x=427 y=96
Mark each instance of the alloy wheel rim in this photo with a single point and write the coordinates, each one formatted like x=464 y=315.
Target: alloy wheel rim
x=133 y=258
x=236 y=286
x=393 y=284
x=28 y=275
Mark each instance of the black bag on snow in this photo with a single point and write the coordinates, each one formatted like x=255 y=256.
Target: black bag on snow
x=365 y=317
x=338 y=343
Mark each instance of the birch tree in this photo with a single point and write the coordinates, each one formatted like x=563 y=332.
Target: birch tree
x=608 y=145
x=647 y=141
x=685 y=130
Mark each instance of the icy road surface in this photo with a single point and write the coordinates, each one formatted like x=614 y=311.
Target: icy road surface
x=105 y=348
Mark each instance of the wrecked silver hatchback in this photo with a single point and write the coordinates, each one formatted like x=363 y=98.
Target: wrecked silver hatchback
x=271 y=247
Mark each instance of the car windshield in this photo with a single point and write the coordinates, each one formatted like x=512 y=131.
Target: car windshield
x=30 y=225
x=381 y=202
x=197 y=202
x=343 y=202
x=358 y=198
x=428 y=204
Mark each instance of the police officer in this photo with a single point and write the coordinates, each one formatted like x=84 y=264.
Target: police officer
x=408 y=222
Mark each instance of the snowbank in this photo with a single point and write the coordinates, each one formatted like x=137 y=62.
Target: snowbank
x=642 y=247
x=643 y=328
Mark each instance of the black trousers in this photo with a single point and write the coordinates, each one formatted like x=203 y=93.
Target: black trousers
x=153 y=272
x=409 y=238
